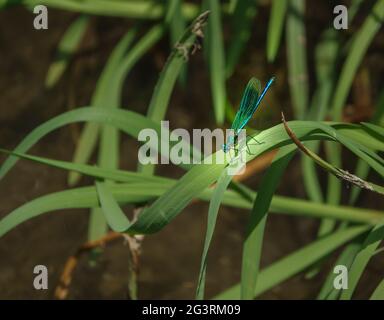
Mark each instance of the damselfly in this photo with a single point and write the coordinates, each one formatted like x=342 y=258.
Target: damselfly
x=249 y=103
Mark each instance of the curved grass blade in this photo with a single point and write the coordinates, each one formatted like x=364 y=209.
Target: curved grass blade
x=109 y=138
x=346 y=258
x=161 y=96
x=139 y=192
x=129 y=9
x=337 y=172
x=374 y=128
x=326 y=55
x=199 y=177
x=177 y=24
x=378 y=294
x=275 y=28
x=343 y=86
x=241 y=23
x=101 y=97
x=214 y=205
x=333 y=195
x=115 y=217
x=127 y=121
x=362 y=168
x=67 y=46
x=296 y=262
x=297 y=57
x=91 y=171
x=216 y=59
x=255 y=230
x=108 y=94
x=355 y=55
x=131 y=123
x=168 y=76
x=361 y=260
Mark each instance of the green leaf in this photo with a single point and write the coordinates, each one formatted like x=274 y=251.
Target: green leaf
x=216 y=59
x=168 y=76
x=108 y=95
x=378 y=294
x=376 y=129
x=297 y=57
x=296 y=262
x=356 y=52
x=346 y=258
x=177 y=24
x=102 y=96
x=201 y=176
x=109 y=138
x=92 y=171
x=255 y=230
x=334 y=186
x=241 y=31
x=139 y=192
x=362 y=168
x=214 y=205
x=128 y=9
x=127 y=121
x=275 y=28
x=115 y=217
x=326 y=54
x=67 y=46
x=361 y=260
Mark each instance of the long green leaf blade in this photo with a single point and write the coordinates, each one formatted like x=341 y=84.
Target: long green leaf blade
x=296 y=262
x=214 y=205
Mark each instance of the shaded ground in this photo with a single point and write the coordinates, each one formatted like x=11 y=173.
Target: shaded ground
x=171 y=258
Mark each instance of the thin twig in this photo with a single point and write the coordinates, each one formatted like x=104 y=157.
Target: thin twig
x=339 y=173
x=62 y=289
x=134 y=242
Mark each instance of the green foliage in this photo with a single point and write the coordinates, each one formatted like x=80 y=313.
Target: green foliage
x=161 y=199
